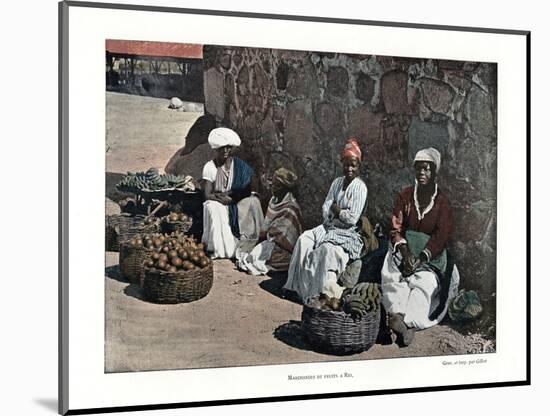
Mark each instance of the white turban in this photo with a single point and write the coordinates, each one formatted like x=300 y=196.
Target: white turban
x=223 y=136
x=429 y=155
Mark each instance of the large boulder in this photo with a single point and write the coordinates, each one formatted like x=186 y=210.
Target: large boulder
x=190 y=163
x=198 y=133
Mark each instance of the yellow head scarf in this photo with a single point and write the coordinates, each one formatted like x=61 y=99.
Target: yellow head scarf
x=285 y=177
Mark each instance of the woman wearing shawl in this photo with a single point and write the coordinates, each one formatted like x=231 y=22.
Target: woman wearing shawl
x=280 y=230
x=322 y=253
x=418 y=275
x=229 y=212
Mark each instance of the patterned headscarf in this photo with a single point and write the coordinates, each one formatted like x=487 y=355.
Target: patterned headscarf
x=351 y=149
x=429 y=155
x=222 y=136
x=285 y=177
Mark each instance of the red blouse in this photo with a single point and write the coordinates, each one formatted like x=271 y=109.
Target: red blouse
x=437 y=222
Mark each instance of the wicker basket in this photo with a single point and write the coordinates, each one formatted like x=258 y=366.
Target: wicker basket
x=131 y=225
x=111 y=236
x=178 y=287
x=130 y=262
x=169 y=227
x=336 y=332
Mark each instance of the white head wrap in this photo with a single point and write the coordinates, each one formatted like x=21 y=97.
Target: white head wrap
x=223 y=136
x=429 y=155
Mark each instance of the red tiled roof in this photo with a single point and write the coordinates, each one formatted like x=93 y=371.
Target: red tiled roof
x=158 y=49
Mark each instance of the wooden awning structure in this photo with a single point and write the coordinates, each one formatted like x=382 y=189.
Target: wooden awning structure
x=155 y=50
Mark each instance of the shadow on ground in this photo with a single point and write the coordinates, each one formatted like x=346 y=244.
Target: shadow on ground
x=292 y=335
x=274 y=285
x=113 y=272
x=136 y=292
x=132 y=290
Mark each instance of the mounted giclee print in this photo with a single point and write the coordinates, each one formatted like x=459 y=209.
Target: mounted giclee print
x=300 y=210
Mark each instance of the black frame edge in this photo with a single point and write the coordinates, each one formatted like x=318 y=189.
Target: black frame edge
x=63 y=206
x=255 y=15
x=168 y=406
x=528 y=195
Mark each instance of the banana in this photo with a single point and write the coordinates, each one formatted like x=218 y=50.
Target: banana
x=355 y=311
x=358 y=288
x=357 y=305
x=363 y=291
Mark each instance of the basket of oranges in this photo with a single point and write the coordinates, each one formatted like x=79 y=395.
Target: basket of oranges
x=132 y=257
x=177 y=271
x=176 y=222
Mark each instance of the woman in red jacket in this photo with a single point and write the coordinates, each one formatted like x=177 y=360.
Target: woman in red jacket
x=418 y=276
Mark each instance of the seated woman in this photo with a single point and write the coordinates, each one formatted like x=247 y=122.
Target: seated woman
x=418 y=275
x=229 y=212
x=279 y=232
x=322 y=253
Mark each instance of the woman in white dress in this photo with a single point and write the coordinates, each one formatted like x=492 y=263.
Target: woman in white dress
x=322 y=253
x=419 y=275
x=230 y=211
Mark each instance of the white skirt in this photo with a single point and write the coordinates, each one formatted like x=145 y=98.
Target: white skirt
x=217 y=235
x=415 y=297
x=253 y=258
x=313 y=271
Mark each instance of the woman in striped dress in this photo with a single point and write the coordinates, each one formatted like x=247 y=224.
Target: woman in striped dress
x=322 y=253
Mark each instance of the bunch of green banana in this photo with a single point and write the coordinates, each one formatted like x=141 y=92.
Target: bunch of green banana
x=133 y=181
x=151 y=181
x=364 y=297
x=175 y=181
x=156 y=181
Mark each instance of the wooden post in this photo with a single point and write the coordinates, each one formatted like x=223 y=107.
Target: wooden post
x=156 y=67
x=110 y=61
x=132 y=67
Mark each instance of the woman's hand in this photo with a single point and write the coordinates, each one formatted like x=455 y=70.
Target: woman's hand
x=210 y=194
x=410 y=265
x=262 y=236
x=224 y=199
x=410 y=262
x=335 y=209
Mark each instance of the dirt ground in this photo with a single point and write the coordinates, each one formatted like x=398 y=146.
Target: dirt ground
x=243 y=320
x=142 y=132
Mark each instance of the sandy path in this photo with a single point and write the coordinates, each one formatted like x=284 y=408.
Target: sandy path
x=142 y=132
x=234 y=325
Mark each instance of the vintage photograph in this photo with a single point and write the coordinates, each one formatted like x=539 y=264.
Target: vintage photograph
x=271 y=206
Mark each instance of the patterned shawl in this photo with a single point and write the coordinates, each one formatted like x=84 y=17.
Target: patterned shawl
x=283 y=220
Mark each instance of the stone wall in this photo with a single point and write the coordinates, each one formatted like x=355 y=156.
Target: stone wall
x=297 y=109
